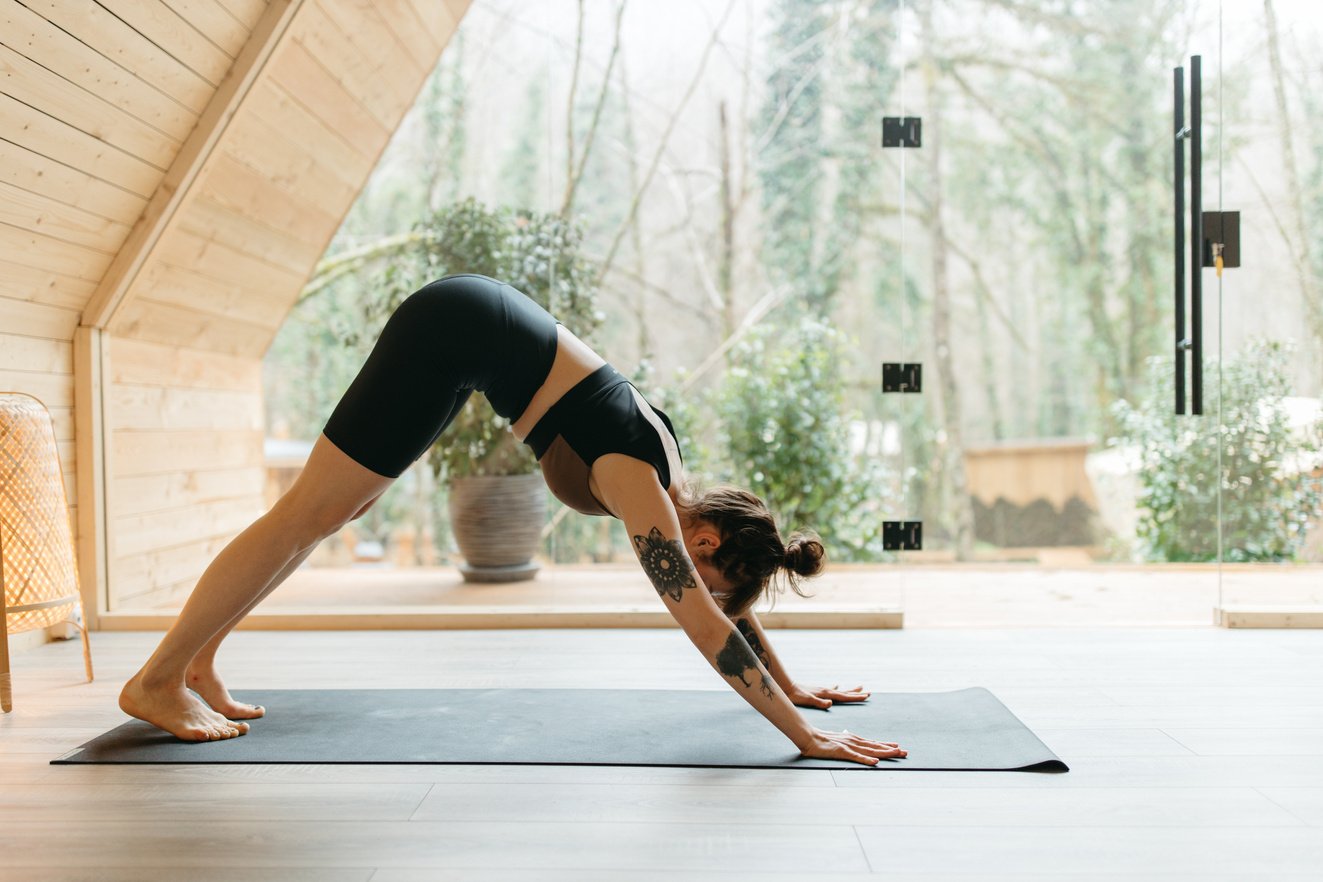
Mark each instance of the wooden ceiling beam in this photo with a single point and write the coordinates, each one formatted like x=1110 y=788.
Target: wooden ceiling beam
x=164 y=207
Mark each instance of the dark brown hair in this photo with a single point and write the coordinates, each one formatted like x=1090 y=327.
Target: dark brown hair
x=751 y=551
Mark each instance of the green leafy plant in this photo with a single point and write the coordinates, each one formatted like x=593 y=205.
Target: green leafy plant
x=538 y=253
x=786 y=436
x=1270 y=492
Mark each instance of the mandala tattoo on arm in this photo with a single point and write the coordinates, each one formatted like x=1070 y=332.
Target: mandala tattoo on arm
x=736 y=657
x=666 y=563
x=756 y=644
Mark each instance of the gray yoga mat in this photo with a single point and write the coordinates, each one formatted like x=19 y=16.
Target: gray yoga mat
x=965 y=729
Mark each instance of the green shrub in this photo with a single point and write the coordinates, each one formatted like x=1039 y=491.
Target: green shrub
x=786 y=437
x=1267 y=505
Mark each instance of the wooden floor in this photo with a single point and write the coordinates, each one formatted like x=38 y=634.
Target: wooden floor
x=1196 y=753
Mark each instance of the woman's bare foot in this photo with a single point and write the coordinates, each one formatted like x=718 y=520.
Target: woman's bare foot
x=204 y=680
x=177 y=711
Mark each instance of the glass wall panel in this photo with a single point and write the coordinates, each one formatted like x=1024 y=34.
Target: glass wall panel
x=1267 y=158
x=1040 y=239
x=723 y=230
x=708 y=197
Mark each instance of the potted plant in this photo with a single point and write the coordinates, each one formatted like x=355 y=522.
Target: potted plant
x=497 y=498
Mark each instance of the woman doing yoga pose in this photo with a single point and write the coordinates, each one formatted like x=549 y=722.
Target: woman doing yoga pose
x=603 y=450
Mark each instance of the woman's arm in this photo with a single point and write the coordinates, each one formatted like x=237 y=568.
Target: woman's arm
x=637 y=497
x=752 y=631
x=805 y=696
x=631 y=489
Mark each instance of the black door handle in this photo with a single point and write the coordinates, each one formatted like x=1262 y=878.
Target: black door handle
x=1196 y=242
x=1179 y=132
x=1194 y=342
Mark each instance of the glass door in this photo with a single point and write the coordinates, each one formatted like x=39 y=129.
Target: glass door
x=1035 y=294
x=1265 y=155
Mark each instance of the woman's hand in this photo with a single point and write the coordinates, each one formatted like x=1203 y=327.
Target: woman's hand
x=821 y=696
x=848 y=746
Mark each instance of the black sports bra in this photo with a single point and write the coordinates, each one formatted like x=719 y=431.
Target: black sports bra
x=603 y=413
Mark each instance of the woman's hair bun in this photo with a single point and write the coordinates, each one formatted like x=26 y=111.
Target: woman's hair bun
x=804 y=555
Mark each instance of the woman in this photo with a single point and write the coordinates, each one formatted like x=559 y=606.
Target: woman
x=603 y=450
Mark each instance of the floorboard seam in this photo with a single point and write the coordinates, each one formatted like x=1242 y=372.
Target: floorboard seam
x=1182 y=744
x=1284 y=808
x=422 y=801
x=868 y=863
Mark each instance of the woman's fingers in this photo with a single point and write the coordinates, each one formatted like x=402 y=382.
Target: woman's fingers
x=880 y=751
x=872 y=757
x=882 y=748
x=854 y=748
x=826 y=693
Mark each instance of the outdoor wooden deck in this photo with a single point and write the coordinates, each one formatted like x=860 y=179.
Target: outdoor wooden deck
x=929 y=596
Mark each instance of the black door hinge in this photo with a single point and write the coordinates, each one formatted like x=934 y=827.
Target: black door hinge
x=902 y=535
x=902 y=131
x=899 y=377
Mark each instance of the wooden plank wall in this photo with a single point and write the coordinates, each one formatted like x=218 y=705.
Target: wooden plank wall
x=95 y=100
x=181 y=232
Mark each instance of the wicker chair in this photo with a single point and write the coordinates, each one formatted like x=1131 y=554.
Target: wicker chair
x=37 y=570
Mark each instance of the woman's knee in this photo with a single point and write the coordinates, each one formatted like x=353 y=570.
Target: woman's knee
x=331 y=491
x=312 y=521
x=364 y=510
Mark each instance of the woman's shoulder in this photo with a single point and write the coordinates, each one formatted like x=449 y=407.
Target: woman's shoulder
x=628 y=484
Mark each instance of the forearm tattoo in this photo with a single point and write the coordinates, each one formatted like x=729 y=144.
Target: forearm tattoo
x=666 y=563
x=736 y=657
x=751 y=636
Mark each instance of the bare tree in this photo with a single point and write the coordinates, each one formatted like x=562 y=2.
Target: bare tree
x=573 y=173
x=960 y=509
x=1300 y=248
x=662 y=144
x=726 y=248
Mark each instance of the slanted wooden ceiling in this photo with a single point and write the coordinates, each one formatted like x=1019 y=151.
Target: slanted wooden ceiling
x=170 y=172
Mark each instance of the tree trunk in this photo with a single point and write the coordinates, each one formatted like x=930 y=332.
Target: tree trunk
x=1091 y=258
x=1300 y=248
x=639 y=301
x=986 y=341
x=726 y=256
x=961 y=511
x=662 y=144
x=574 y=174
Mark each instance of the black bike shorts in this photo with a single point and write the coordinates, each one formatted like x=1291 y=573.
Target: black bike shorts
x=450 y=337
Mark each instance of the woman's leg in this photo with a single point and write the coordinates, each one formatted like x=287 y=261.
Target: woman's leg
x=435 y=348
x=331 y=489
x=201 y=675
